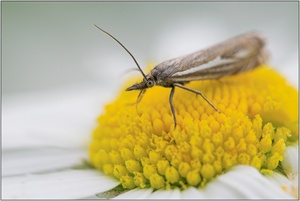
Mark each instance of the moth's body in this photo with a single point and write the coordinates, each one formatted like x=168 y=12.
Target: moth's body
x=230 y=57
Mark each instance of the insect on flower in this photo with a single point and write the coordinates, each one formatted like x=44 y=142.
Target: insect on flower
x=233 y=56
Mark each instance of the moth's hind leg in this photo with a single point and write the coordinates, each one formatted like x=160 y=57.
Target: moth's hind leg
x=196 y=92
x=171 y=105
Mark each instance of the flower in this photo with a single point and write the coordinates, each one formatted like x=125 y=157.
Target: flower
x=258 y=120
x=45 y=140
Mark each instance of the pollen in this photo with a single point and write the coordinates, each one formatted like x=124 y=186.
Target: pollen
x=141 y=148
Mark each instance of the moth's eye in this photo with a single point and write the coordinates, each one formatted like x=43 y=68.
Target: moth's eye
x=150 y=83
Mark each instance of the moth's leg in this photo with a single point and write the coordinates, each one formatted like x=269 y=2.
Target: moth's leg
x=139 y=98
x=196 y=92
x=171 y=105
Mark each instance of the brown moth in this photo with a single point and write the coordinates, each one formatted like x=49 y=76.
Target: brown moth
x=233 y=56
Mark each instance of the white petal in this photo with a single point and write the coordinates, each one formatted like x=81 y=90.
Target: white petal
x=290 y=161
x=278 y=179
x=287 y=185
x=244 y=182
x=193 y=193
x=63 y=118
x=166 y=194
x=69 y=184
x=17 y=162
x=135 y=194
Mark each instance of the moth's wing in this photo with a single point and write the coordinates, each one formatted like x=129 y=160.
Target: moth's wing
x=217 y=68
x=169 y=68
x=227 y=58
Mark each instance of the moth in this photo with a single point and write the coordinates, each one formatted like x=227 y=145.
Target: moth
x=233 y=56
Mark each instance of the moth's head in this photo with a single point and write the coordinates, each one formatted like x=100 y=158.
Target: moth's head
x=146 y=83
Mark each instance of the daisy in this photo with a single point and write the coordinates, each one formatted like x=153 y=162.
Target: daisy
x=249 y=150
x=143 y=150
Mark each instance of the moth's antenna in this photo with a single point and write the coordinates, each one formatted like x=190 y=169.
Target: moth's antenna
x=124 y=48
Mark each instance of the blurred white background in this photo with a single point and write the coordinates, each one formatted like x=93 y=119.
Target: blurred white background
x=54 y=44
x=58 y=70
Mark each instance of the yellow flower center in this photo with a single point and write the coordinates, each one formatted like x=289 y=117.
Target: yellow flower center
x=258 y=119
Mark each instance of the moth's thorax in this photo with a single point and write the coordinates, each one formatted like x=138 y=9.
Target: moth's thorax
x=159 y=78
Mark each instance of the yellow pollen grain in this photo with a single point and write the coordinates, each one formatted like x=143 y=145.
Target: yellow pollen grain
x=172 y=175
x=133 y=166
x=193 y=178
x=184 y=169
x=139 y=179
x=149 y=170
x=162 y=166
x=127 y=182
x=258 y=119
x=157 y=181
x=119 y=171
